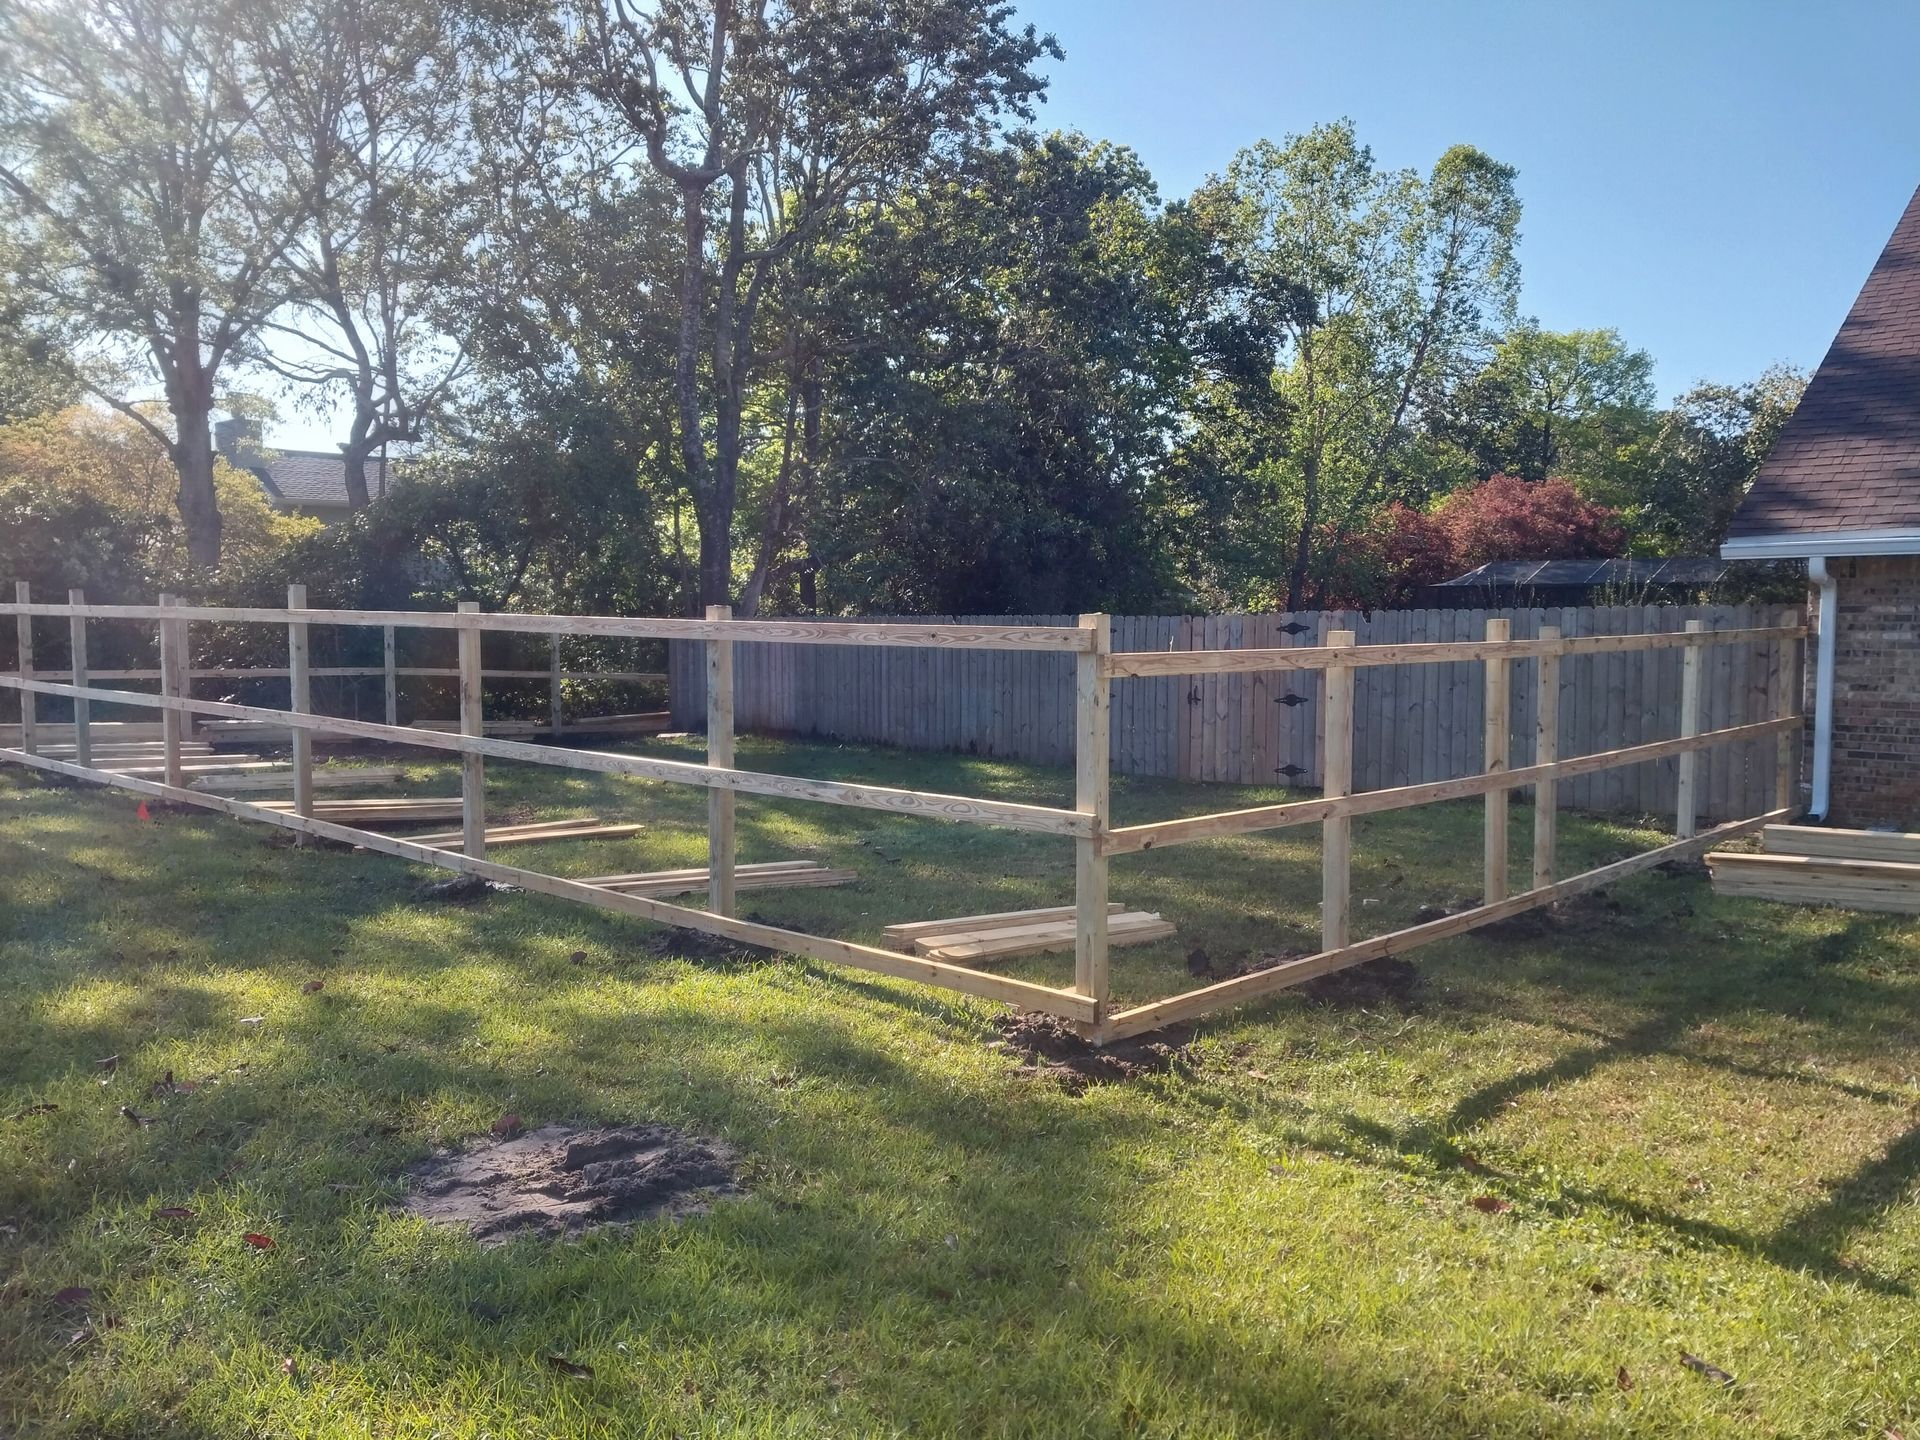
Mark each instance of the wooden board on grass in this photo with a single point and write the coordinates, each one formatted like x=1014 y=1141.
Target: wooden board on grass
x=766 y=875
x=588 y=829
x=1889 y=845
x=1137 y=927
x=328 y=776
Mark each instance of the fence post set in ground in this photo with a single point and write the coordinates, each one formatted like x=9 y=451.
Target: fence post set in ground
x=1086 y=1001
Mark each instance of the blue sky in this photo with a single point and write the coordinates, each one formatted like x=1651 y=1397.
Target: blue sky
x=1713 y=178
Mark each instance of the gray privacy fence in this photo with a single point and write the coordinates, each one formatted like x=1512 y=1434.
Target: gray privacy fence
x=1412 y=723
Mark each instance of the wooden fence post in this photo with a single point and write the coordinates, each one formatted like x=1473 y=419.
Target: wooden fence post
x=1546 y=750
x=82 y=709
x=720 y=802
x=300 y=702
x=556 y=714
x=169 y=687
x=1092 y=712
x=1336 y=831
x=392 y=677
x=29 y=711
x=473 y=768
x=1499 y=673
x=1686 y=819
x=1786 y=777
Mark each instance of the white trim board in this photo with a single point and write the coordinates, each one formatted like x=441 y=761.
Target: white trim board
x=1803 y=544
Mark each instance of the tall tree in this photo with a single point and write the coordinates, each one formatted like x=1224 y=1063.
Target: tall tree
x=367 y=108
x=773 y=120
x=146 y=218
x=1404 y=277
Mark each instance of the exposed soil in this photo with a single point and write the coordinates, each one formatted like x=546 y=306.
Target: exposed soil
x=457 y=890
x=683 y=944
x=1386 y=981
x=560 y=1181
x=1052 y=1051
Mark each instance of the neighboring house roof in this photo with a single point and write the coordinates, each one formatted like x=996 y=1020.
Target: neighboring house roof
x=308 y=479
x=1846 y=467
x=1631 y=572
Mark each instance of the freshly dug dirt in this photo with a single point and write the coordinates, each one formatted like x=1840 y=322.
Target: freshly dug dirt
x=1386 y=981
x=560 y=1181
x=680 y=943
x=1053 y=1052
x=456 y=890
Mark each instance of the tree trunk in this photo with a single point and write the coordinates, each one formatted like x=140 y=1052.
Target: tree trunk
x=353 y=461
x=192 y=455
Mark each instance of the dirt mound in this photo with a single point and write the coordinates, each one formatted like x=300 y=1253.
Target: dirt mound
x=1386 y=981
x=561 y=1181
x=678 y=943
x=1054 y=1052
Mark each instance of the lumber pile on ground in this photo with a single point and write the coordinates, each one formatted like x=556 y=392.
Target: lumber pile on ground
x=281 y=778
x=585 y=827
x=375 y=813
x=1809 y=865
x=971 y=938
x=766 y=875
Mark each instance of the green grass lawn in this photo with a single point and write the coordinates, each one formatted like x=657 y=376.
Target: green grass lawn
x=1667 y=1124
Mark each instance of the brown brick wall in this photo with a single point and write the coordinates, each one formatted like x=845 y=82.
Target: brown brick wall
x=1876 y=693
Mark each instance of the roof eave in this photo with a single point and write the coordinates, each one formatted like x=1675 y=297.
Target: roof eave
x=1805 y=544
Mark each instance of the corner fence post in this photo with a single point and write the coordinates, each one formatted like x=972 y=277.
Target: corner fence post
x=29 y=711
x=82 y=709
x=1546 y=750
x=1499 y=754
x=1686 y=816
x=391 y=677
x=300 y=702
x=720 y=802
x=169 y=688
x=1786 y=787
x=1092 y=694
x=555 y=715
x=473 y=768
x=1336 y=831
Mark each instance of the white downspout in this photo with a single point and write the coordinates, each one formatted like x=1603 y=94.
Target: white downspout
x=1823 y=686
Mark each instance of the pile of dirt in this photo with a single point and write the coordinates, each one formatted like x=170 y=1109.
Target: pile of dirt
x=679 y=943
x=457 y=890
x=1386 y=981
x=560 y=1181
x=1054 y=1052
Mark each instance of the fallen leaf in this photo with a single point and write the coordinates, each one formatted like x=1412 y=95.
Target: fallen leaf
x=83 y=1336
x=173 y=1212
x=108 y=1063
x=167 y=1085
x=507 y=1125
x=579 y=957
x=1473 y=1163
x=1622 y=1378
x=313 y=987
x=73 y=1295
x=1491 y=1204
x=1707 y=1368
x=45 y=1107
x=289 y=1366
x=572 y=1368
x=257 y=1240
x=127 y=1112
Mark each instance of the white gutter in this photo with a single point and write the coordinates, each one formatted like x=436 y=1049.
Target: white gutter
x=1808 y=544
x=1823 y=687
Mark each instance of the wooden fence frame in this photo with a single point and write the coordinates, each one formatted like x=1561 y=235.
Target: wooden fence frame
x=1086 y=1003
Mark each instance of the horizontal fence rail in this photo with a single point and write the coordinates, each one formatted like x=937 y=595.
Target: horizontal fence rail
x=1735 y=690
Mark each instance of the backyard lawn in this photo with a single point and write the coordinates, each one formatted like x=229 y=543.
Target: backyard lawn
x=1648 y=1168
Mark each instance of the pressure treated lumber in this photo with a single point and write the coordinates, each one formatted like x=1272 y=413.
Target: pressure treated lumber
x=773 y=875
x=327 y=777
x=1022 y=993
x=1092 y=702
x=1336 y=831
x=1890 y=845
x=376 y=812
x=720 y=803
x=1003 y=942
x=914 y=929
x=530 y=834
x=23 y=630
x=300 y=702
x=1210 y=998
x=1881 y=885
x=1498 y=761
x=82 y=709
x=1546 y=751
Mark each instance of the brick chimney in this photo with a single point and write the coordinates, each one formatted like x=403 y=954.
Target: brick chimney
x=233 y=435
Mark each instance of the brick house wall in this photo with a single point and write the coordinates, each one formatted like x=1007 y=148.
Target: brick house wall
x=1876 y=693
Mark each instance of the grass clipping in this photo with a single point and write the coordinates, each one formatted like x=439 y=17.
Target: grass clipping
x=558 y=1182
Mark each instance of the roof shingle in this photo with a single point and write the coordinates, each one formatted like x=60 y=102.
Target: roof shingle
x=1849 y=459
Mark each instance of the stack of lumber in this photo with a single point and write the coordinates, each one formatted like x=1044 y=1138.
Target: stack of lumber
x=280 y=777
x=585 y=827
x=1019 y=932
x=1809 y=865
x=768 y=875
x=375 y=813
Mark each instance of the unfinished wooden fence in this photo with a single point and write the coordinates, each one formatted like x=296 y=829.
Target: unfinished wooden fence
x=1085 y=1001
x=1412 y=723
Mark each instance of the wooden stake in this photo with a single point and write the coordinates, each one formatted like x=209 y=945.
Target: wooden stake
x=1786 y=777
x=1092 y=712
x=720 y=803
x=1546 y=750
x=300 y=702
x=1336 y=831
x=82 y=716
x=391 y=675
x=1686 y=820
x=473 y=767
x=29 y=709
x=1499 y=756
x=556 y=715
x=170 y=720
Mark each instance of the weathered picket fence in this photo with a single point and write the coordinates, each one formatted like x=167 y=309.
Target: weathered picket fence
x=1412 y=723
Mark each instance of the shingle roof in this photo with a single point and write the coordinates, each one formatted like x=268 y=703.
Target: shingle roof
x=311 y=478
x=1849 y=459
